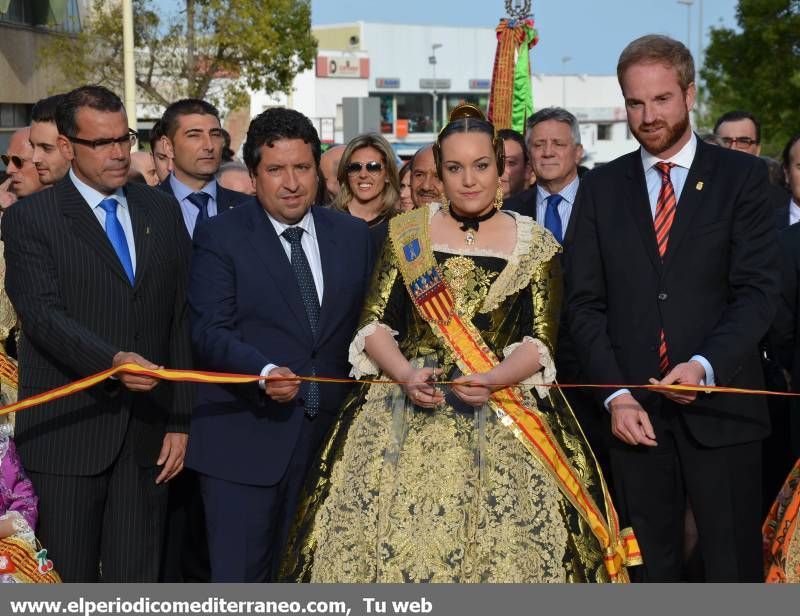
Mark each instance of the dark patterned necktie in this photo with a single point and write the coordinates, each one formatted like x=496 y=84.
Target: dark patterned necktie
x=308 y=292
x=665 y=215
x=200 y=201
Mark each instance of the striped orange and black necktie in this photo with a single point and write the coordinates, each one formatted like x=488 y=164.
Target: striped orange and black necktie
x=665 y=214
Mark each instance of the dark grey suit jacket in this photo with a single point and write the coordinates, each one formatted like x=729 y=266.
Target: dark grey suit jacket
x=78 y=309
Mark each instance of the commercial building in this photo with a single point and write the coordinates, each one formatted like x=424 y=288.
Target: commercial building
x=420 y=73
x=25 y=26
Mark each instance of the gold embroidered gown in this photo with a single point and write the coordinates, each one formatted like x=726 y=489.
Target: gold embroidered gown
x=406 y=494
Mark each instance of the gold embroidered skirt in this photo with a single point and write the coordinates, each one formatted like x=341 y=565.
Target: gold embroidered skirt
x=404 y=494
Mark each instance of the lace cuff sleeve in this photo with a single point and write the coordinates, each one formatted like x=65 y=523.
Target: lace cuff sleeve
x=21 y=527
x=545 y=375
x=361 y=362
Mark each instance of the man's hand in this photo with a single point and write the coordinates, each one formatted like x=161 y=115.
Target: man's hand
x=135 y=382
x=7 y=198
x=630 y=423
x=282 y=391
x=687 y=373
x=171 y=457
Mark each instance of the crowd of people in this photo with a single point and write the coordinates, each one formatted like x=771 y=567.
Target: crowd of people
x=411 y=327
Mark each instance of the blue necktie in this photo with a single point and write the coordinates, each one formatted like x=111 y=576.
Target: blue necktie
x=552 y=220
x=117 y=236
x=308 y=292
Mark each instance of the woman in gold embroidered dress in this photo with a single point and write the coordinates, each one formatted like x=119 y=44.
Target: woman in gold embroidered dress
x=419 y=483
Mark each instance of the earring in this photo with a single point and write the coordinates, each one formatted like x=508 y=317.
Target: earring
x=498 y=196
x=446 y=206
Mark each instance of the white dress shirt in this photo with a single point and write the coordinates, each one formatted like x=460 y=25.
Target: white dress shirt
x=93 y=198
x=794 y=212
x=678 y=174
x=310 y=246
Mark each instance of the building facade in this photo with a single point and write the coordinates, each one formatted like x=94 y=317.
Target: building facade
x=420 y=73
x=25 y=26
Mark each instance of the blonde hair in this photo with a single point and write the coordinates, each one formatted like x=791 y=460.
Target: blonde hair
x=390 y=194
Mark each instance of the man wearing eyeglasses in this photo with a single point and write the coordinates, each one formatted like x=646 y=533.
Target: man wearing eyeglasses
x=194 y=138
x=96 y=269
x=23 y=180
x=741 y=130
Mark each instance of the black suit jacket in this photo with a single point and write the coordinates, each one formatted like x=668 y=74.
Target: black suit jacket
x=785 y=332
x=78 y=309
x=714 y=294
x=226 y=199
x=569 y=370
x=247 y=312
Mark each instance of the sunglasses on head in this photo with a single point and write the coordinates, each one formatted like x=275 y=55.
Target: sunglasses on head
x=17 y=160
x=372 y=166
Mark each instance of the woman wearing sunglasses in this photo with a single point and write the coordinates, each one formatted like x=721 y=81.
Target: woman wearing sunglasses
x=368 y=184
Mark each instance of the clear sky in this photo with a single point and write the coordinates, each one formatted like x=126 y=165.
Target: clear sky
x=591 y=32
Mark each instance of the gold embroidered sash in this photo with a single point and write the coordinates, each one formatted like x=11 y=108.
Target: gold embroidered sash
x=433 y=298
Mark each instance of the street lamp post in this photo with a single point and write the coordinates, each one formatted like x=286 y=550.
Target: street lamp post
x=564 y=61
x=432 y=62
x=688 y=4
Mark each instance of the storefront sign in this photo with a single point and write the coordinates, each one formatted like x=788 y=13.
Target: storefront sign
x=387 y=82
x=343 y=67
x=434 y=84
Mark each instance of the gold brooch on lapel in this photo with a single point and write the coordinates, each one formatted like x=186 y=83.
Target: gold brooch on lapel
x=698 y=186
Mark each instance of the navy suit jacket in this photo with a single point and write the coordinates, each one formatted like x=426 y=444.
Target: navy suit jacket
x=247 y=312
x=226 y=198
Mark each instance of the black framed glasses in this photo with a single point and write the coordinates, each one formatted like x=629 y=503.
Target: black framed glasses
x=18 y=161
x=732 y=142
x=373 y=167
x=126 y=141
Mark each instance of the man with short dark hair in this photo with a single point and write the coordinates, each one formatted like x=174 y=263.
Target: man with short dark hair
x=50 y=163
x=96 y=269
x=741 y=130
x=276 y=288
x=158 y=148
x=516 y=169
x=672 y=279
x=194 y=138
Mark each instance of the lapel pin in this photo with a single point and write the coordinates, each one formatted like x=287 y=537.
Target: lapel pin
x=147 y=229
x=698 y=186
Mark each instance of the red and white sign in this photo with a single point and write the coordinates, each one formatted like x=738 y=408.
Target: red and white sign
x=348 y=67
